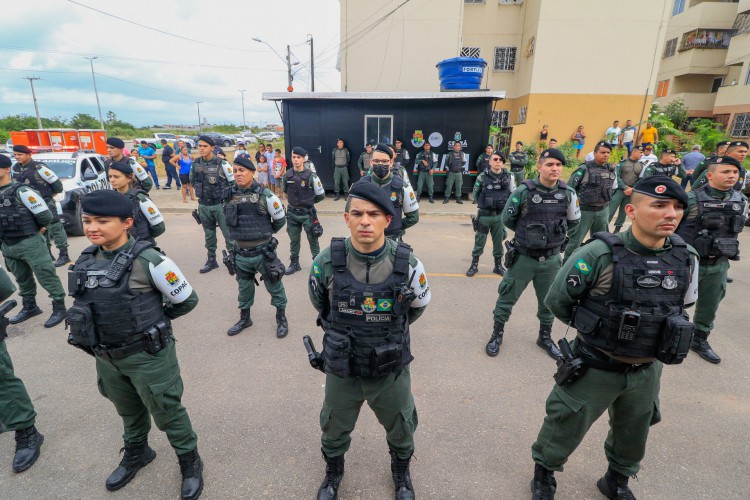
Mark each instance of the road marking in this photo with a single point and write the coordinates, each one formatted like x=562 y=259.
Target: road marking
x=460 y=275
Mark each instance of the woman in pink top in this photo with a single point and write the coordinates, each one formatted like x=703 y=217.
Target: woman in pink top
x=279 y=169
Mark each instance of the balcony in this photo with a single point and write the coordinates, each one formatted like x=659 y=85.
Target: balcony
x=699 y=103
x=704 y=38
x=739 y=48
x=716 y=14
x=733 y=95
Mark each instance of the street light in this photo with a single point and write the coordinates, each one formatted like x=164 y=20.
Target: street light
x=96 y=92
x=200 y=124
x=287 y=60
x=244 y=124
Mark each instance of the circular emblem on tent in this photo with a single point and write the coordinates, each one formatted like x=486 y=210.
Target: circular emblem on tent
x=435 y=139
x=660 y=188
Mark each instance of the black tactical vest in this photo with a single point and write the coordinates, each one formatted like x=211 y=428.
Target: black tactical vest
x=208 y=180
x=659 y=168
x=243 y=213
x=713 y=233
x=630 y=171
x=654 y=286
x=16 y=221
x=597 y=185
x=484 y=164
x=364 y=311
x=120 y=314
x=495 y=190
x=141 y=227
x=396 y=186
x=543 y=222
x=456 y=161
x=299 y=188
x=427 y=156
x=29 y=176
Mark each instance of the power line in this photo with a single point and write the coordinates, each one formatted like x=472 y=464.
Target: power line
x=166 y=91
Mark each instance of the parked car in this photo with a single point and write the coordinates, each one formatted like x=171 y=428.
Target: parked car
x=221 y=139
x=155 y=141
x=188 y=139
x=268 y=136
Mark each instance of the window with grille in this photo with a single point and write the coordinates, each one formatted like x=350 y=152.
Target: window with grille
x=670 y=48
x=522 y=114
x=500 y=118
x=662 y=88
x=470 y=51
x=505 y=58
x=741 y=125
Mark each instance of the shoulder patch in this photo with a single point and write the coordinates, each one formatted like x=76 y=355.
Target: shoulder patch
x=32 y=200
x=151 y=212
x=583 y=266
x=275 y=208
x=170 y=281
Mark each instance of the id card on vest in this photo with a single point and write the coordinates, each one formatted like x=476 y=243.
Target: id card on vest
x=151 y=212
x=170 y=281
x=33 y=201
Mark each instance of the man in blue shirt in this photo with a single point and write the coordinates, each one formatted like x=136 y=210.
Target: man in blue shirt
x=689 y=162
x=148 y=154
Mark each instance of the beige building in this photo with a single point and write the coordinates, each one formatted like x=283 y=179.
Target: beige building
x=561 y=63
x=706 y=61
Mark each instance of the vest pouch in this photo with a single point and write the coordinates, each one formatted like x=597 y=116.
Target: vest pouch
x=76 y=282
x=230 y=214
x=386 y=359
x=536 y=236
x=674 y=343
x=590 y=195
x=725 y=247
x=738 y=223
x=712 y=221
x=337 y=349
x=703 y=243
x=275 y=269
x=81 y=322
x=10 y=222
x=586 y=322
x=198 y=188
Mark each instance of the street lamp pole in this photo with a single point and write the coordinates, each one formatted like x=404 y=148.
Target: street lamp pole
x=312 y=65
x=244 y=123
x=200 y=123
x=287 y=60
x=33 y=95
x=96 y=92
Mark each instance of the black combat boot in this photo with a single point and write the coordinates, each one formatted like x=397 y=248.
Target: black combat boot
x=419 y=198
x=293 y=266
x=545 y=342
x=244 y=322
x=191 y=468
x=614 y=486
x=329 y=488
x=58 y=314
x=210 y=264
x=699 y=345
x=136 y=457
x=431 y=200
x=401 y=477
x=499 y=269
x=282 y=326
x=493 y=346
x=445 y=201
x=474 y=267
x=29 y=310
x=63 y=258
x=459 y=200
x=544 y=485
x=336 y=197
x=28 y=446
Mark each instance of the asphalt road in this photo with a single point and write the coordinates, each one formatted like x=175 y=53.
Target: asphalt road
x=254 y=401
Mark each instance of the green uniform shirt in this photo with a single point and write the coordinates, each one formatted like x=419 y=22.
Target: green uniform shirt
x=518 y=159
x=628 y=172
x=514 y=209
x=364 y=161
x=157 y=229
x=650 y=170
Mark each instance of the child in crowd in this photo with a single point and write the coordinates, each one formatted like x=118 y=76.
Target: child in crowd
x=279 y=169
x=262 y=170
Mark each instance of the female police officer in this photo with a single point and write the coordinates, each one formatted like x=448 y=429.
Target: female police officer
x=148 y=222
x=126 y=293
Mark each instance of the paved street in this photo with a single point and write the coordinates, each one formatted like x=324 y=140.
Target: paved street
x=254 y=401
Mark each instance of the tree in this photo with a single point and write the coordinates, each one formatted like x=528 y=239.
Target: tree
x=677 y=113
x=83 y=120
x=111 y=118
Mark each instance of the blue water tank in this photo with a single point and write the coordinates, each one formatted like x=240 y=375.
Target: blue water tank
x=461 y=73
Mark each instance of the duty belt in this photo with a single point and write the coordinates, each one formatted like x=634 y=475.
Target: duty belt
x=589 y=208
x=107 y=352
x=209 y=201
x=710 y=261
x=252 y=252
x=299 y=210
x=13 y=241
x=540 y=255
x=600 y=361
x=341 y=166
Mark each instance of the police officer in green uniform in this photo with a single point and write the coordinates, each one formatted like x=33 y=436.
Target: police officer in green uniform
x=253 y=214
x=483 y=161
x=387 y=177
x=148 y=222
x=126 y=294
x=629 y=292
x=454 y=163
x=44 y=181
x=402 y=157
x=628 y=172
x=518 y=160
x=424 y=166
x=368 y=289
x=540 y=212
x=303 y=190
x=363 y=163
x=491 y=191
x=340 y=156
x=594 y=183
x=142 y=180
x=721 y=150
x=210 y=176
x=714 y=217
x=16 y=409
x=668 y=165
x=23 y=213
x=737 y=150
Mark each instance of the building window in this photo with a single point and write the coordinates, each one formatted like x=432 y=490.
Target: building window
x=500 y=119
x=679 y=6
x=702 y=38
x=505 y=58
x=742 y=23
x=522 y=114
x=378 y=129
x=747 y=78
x=470 y=51
x=670 y=48
x=662 y=89
x=717 y=84
x=510 y=2
x=741 y=125
x=473 y=1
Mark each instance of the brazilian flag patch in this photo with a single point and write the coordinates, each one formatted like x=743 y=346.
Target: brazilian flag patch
x=385 y=304
x=583 y=266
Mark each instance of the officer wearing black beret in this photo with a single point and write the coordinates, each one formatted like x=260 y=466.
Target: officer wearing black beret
x=721 y=149
x=668 y=165
x=736 y=150
x=115 y=148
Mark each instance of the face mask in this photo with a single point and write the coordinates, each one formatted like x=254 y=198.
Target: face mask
x=381 y=170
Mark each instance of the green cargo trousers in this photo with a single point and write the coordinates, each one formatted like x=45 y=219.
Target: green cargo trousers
x=29 y=258
x=341 y=180
x=295 y=223
x=55 y=231
x=389 y=397
x=712 y=287
x=590 y=221
x=517 y=278
x=211 y=215
x=632 y=400
x=246 y=267
x=425 y=177
x=16 y=410
x=518 y=176
x=619 y=200
x=145 y=385
x=454 y=178
x=496 y=228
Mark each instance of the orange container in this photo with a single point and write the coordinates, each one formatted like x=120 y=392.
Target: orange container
x=93 y=140
x=70 y=139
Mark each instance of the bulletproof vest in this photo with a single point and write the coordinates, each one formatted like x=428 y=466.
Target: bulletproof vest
x=366 y=157
x=141 y=227
x=713 y=233
x=208 y=181
x=16 y=221
x=630 y=171
x=543 y=222
x=495 y=190
x=364 y=311
x=658 y=168
x=396 y=186
x=597 y=184
x=339 y=156
x=484 y=164
x=244 y=218
x=426 y=155
x=518 y=161
x=299 y=188
x=399 y=158
x=119 y=313
x=456 y=161
x=29 y=176
x=653 y=286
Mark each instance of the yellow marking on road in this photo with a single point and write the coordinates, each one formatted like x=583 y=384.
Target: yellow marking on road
x=461 y=275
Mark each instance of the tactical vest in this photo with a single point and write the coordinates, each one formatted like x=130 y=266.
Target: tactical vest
x=456 y=161
x=208 y=181
x=299 y=188
x=396 y=186
x=29 y=176
x=16 y=221
x=495 y=190
x=653 y=286
x=427 y=156
x=543 y=224
x=364 y=311
x=517 y=161
x=141 y=228
x=596 y=186
x=630 y=171
x=713 y=233
x=339 y=157
x=245 y=220
x=658 y=168
x=484 y=164
x=119 y=314
x=365 y=158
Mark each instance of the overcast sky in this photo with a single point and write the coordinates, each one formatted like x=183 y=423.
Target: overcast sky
x=147 y=77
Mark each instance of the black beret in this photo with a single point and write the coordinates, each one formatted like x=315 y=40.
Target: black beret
x=498 y=153
x=340 y=139
x=723 y=143
x=659 y=186
x=553 y=153
x=724 y=160
x=116 y=142
x=207 y=140
x=639 y=147
x=5 y=162
x=398 y=140
x=21 y=149
x=368 y=190
x=384 y=148
x=299 y=151
x=107 y=202
x=244 y=162
x=122 y=166
x=735 y=144
x=603 y=144
x=368 y=144
x=669 y=151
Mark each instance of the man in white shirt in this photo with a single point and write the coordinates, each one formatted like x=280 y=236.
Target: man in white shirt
x=628 y=136
x=648 y=156
x=612 y=135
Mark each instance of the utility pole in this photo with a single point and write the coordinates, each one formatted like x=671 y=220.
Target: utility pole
x=33 y=95
x=244 y=123
x=96 y=92
x=289 y=68
x=312 y=66
x=200 y=123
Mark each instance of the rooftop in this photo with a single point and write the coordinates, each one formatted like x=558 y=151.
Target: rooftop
x=468 y=94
